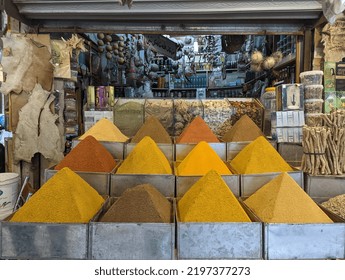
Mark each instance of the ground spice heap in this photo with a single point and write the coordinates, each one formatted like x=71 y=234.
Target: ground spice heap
x=200 y=160
x=89 y=156
x=64 y=198
x=197 y=131
x=153 y=128
x=282 y=200
x=259 y=157
x=145 y=158
x=105 y=130
x=210 y=200
x=243 y=130
x=336 y=205
x=141 y=204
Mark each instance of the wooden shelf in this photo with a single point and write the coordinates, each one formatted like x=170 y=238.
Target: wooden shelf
x=287 y=60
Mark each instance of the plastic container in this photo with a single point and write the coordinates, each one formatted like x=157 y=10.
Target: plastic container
x=313 y=92
x=313 y=119
x=9 y=187
x=311 y=77
x=313 y=106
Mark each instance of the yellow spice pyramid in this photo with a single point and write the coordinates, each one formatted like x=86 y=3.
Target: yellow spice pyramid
x=210 y=200
x=282 y=200
x=64 y=198
x=259 y=157
x=200 y=160
x=145 y=158
x=105 y=130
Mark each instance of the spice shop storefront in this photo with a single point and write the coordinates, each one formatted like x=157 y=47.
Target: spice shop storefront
x=171 y=130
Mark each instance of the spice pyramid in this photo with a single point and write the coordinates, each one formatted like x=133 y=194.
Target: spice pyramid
x=197 y=131
x=210 y=200
x=259 y=157
x=105 y=130
x=141 y=204
x=282 y=200
x=243 y=130
x=153 y=128
x=200 y=160
x=89 y=156
x=64 y=198
x=145 y=158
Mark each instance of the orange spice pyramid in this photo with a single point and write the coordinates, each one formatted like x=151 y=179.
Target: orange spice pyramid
x=201 y=160
x=197 y=131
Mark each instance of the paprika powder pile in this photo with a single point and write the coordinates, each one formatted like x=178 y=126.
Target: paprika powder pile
x=89 y=156
x=197 y=131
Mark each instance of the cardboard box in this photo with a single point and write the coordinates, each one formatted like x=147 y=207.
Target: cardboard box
x=289 y=97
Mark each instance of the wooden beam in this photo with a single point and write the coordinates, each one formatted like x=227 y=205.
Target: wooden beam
x=307 y=50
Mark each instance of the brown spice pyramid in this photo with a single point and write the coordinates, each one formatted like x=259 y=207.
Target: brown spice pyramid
x=282 y=200
x=197 y=131
x=259 y=157
x=210 y=200
x=243 y=130
x=152 y=127
x=141 y=204
x=90 y=156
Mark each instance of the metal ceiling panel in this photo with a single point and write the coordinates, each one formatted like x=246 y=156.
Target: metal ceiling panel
x=169 y=16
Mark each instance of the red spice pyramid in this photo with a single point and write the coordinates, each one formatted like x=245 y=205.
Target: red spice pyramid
x=90 y=156
x=197 y=131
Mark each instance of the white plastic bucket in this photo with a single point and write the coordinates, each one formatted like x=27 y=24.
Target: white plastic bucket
x=9 y=188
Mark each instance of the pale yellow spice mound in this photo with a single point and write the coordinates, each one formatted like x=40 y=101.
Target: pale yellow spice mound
x=105 y=130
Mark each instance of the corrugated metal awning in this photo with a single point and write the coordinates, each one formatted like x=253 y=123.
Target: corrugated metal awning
x=173 y=16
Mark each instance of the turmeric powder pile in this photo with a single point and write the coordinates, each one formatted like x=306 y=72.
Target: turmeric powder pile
x=105 y=130
x=200 y=160
x=145 y=158
x=153 y=128
x=64 y=198
x=197 y=131
x=243 y=130
x=259 y=157
x=210 y=200
x=282 y=200
x=89 y=156
x=140 y=204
